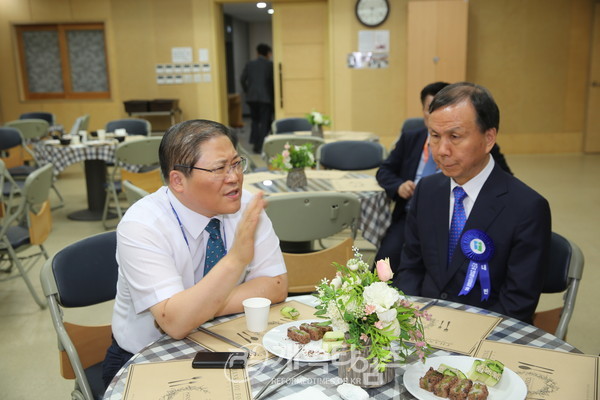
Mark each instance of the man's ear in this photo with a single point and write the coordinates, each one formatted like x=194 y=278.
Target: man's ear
x=176 y=181
x=490 y=138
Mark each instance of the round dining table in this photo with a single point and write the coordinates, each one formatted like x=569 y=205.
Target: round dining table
x=325 y=377
x=95 y=155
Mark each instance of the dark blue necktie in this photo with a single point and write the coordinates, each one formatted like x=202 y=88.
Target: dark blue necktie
x=457 y=224
x=215 y=249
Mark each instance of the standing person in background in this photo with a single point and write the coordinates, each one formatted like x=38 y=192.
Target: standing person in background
x=474 y=234
x=399 y=174
x=257 y=82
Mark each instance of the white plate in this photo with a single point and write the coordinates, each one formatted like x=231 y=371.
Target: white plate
x=277 y=342
x=511 y=386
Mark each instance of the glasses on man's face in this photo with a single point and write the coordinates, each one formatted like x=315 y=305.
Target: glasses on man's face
x=238 y=167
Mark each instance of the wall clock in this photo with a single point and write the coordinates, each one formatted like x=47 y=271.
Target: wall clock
x=372 y=13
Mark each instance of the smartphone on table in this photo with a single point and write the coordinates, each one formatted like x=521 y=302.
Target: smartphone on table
x=220 y=359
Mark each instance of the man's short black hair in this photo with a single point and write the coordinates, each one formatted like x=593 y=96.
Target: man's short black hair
x=432 y=89
x=263 y=49
x=486 y=109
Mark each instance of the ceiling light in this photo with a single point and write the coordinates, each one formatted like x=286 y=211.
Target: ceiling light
x=271 y=11
x=262 y=4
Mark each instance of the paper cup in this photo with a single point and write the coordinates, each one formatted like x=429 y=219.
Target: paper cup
x=75 y=139
x=101 y=134
x=120 y=132
x=257 y=313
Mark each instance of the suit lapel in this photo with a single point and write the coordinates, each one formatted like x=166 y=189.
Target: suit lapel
x=485 y=210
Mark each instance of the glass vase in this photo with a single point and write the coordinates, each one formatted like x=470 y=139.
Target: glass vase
x=296 y=178
x=317 y=130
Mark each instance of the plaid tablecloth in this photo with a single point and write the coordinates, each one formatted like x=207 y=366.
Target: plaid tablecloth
x=325 y=377
x=63 y=156
x=375 y=213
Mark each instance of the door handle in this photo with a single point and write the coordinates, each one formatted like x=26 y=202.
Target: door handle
x=595 y=84
x=280 y=86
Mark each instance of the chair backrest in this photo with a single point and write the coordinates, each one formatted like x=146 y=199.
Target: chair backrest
x=306 y=270
x=133 y=126
x=30 y=128
x=564 y=273
x=37 y=185
x=305 y=216
x=274 y=144
x=351 y=155
x=82 y=274
x=81 y=124
x=138 y=152
x=9 y=138
x=132 y=192
x=411 y=124
x=46 y=116
x=290 y=125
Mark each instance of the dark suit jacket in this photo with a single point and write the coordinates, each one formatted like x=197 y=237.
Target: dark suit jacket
x=516 y=218
x=257 y=81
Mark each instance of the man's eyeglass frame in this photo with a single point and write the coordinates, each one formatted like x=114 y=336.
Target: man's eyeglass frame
x=242 y=164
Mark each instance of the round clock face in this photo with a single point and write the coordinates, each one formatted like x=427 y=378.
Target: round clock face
x=372 y=12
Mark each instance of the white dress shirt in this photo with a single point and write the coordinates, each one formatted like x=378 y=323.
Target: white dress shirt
x=158 y=258
x=471 y=188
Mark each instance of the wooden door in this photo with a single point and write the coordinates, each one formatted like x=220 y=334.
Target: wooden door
x=437 y=47
x=300 y=54
x=591 y=140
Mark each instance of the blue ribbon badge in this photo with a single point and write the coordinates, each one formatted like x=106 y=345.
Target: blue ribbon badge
x=478 y=247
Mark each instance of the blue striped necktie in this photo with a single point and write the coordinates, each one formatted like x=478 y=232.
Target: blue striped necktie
x=215 y=249
x=457 y=224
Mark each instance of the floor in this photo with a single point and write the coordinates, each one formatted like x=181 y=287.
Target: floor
x=29 y=367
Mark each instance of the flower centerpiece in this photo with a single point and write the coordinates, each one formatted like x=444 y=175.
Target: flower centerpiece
x=373 y=315
x=318 y=120
x=293 y=159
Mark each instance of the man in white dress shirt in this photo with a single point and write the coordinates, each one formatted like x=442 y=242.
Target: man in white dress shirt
x=165 y=283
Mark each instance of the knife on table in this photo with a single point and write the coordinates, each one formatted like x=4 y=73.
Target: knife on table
x=225 y=339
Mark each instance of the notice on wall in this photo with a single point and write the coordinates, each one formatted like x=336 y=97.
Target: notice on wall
x=181 y=55
x=359 y=60
x=374 y=41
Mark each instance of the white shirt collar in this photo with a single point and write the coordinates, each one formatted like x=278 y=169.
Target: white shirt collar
x=192 y=222
x=474 y=185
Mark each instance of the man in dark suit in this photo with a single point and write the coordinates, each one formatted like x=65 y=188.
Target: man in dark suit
x=257 y=82
x=403 y=168
x=508 y=225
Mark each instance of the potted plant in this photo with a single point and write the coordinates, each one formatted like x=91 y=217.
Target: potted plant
x=381 y=326
x=293 y=159
x=318 y=120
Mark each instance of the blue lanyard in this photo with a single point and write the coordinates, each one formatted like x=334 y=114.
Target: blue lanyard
x=183 y=230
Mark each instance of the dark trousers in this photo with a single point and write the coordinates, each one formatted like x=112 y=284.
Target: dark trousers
x=262 y=117
x=392 y=243
x=115 y=358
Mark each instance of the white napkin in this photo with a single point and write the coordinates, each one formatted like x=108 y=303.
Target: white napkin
x=311 y=393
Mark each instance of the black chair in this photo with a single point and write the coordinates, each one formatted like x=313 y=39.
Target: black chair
x=290 y=125
x=350 y=155
x=46 y=116
x=411 y=124
x=133 y=126
x=81 y=275
x=564 y=274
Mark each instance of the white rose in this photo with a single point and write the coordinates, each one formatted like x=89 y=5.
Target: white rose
x=381 y=296
x=337 y=282
x=318 y=118
x=388 y=315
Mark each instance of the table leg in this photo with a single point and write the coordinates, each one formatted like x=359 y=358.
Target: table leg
x=95 y=181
